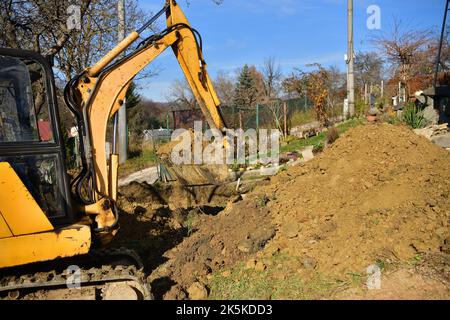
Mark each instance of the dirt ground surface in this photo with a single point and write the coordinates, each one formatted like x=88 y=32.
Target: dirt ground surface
x=378 y=196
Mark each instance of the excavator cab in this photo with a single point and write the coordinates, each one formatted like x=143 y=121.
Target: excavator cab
x=30 y=138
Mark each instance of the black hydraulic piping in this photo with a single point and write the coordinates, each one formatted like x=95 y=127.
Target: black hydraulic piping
x=153 y=19
x=438 y=60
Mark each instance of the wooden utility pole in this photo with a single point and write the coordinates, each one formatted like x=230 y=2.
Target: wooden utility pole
x=285 y=118
x=257 y=117
x=122 y=113
x=350 y=60
x=366 y=93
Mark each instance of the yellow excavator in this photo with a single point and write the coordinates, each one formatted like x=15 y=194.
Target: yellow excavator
x=52 y=228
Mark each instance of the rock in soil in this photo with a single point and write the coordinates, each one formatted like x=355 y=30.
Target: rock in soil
x=309 y=263
x=260 y=266
x=197 y=291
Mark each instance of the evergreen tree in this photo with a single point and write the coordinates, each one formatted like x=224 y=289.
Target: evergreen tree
x=246 y=92
x=139 y=118
x=132 y=97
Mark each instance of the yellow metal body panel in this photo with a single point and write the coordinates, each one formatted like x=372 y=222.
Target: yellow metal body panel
x=110 y=56
x=66 y=242
x=113 y=180
x=5 y=232
x=187 y=54
x=17 y=206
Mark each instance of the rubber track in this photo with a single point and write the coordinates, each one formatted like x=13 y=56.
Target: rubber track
x=89 y=276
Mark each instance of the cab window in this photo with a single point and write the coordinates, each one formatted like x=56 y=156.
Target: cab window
x=24 y=114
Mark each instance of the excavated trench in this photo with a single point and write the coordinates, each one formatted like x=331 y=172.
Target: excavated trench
x=183 y=233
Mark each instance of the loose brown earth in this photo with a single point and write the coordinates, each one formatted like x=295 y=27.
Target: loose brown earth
x=378 y=195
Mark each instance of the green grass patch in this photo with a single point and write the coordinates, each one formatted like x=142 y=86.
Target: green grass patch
x=280 y=280
x=302 y=117
x=297 y=144
x=190 y=222
x=142 y=161
x=414 y=117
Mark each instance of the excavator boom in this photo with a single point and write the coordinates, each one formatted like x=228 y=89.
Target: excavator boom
x=99 y=92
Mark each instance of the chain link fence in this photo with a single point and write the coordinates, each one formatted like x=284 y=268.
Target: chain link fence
x=281 y=114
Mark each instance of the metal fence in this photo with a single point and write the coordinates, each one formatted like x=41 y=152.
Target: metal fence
x=281 y=114
x=156 y=137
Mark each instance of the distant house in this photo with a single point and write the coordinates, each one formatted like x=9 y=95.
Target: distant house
x=400 y=95
x=157 y=134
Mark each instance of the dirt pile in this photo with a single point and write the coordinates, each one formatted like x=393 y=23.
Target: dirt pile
x=379 y=194
x=213 y=243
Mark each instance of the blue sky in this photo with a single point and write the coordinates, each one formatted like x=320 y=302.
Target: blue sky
x=295 y=32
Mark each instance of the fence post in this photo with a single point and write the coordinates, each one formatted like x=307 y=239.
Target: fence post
x=240 y=118
x=277 y=116
x=233 y=112
x=174 y=120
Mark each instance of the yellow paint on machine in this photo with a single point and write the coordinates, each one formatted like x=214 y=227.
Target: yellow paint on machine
x=17 y=206
x=66 y=242
x=26 y=234
x=5 y=232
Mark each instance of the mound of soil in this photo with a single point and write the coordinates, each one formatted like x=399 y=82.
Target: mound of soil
x=217 y=241
x=379 y=194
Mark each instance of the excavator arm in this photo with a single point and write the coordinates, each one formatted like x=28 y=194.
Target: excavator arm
x=97 y=94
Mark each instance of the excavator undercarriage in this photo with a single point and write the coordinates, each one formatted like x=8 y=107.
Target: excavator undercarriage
x=115 y=274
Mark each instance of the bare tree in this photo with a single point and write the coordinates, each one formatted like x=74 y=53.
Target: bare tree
x=403 y=50
x=41 y=26
x=368 y=68
x=181 y=95
x=272 y=78
x=315 y=85
x=37 y=25
x=336 y=85
x=295 y=85
x=225 y=88
x=98 y=35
